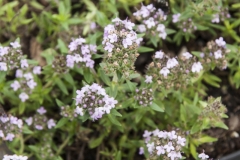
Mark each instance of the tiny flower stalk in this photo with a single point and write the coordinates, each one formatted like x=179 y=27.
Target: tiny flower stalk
x=151 y=20
x=163 y=144
x=120 y=44
x=172 y=72
x=213 y=111
x=214 y=54
x=94 y=101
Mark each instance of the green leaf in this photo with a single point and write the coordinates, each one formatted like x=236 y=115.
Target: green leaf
x=61 y=85
x=88 y=76
x=131 y=85
x=114 y=120
x=115 y=112
x=96 y=142
x=62 y=46
x=195 y=128
x=33 y=148
x=143 y=49
x=155 y=107
x=22 y=107
x=36 y=5
x=118 y=155
x=205 y=139
x=61 y=123
x=104 y=77
x=26 y=130
x=193 y=150
x=59 y=103
x=135 y=75
x=221 y=125
x=170 y=31
x=69 y=79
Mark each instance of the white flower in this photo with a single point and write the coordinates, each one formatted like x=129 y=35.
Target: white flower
x=218 y=54
x=176 y=17
x=79 y=111
x=150 y=22
x=220 y=42
x=3 y=66
x=197 y=67
x=172 y=63
x=15 y=85
x=187 y=55
x=24 y=63
x=215 y=18
x=203 y=156
x=160 y=150
x=37 y=70
x=29 y=121
x=164 y=71
x=14 y=157
x=19 y=73
x=159 y=54
x=31 y=84
x=148 y=79
x=161 y=28
x=23 y=96
x=51 y=123
x=169 y=147
x=150 y=147
x=15 y=44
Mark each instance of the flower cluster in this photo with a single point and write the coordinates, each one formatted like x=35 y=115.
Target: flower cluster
x=151 y=20
x=213 y=110
x=221 y=15
x=68 y=112
x=173 y=72
x=25 y=82
x=94 y=100
x=144 y=96
x=166 y=145
x=10 y=127
x=214 y=54
x=39 y=121
x=120 y=43
x=186 y=25
x=80 y=53
x=14 y=157
x=12 y=57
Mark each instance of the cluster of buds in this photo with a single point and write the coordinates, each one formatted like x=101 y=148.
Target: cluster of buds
x=68 y=112
x=59 y=64
x=14 y=157
x=12 y=57
x=173 y=72
x=39 y=121
x=80 y=53
x=144 y=96
x=213 y=110
x=94 y=100
x=11 y=127
x=25 y=82
x=186 y=25
x=151 y=20
x=46 y=151
x=120 y=43
x=163 y=144
x=221 y=15
x=215 y=54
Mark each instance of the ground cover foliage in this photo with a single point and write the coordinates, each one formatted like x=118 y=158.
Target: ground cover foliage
x=117 y=79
